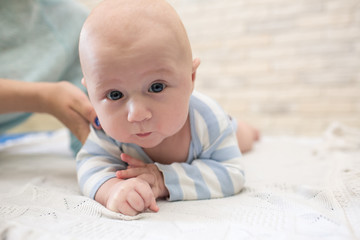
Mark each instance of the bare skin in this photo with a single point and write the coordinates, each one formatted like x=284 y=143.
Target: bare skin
x=246 y=135
x=73 y=108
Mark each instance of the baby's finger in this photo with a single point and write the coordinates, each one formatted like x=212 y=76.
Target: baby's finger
x=145 y=191
x=86 y=110
x=121 y=207
x=77 y=125
x=136 y=201
x=153 y=206
x=132 y=162
x=130 y=173
x=128 y=210
x=149 y=178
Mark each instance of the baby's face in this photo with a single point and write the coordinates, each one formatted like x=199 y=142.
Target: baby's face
x=140 y=93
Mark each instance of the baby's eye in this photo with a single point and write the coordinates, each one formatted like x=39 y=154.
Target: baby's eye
x=114 y=95
x=157 y=87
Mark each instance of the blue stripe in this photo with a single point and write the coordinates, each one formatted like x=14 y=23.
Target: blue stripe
x=202 y=189
x=172 y=183
x=226 y=153
x=195 y=144
x=192 y=153
x=223 y=177
x=208 y=115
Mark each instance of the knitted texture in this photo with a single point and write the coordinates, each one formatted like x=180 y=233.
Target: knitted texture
x=297 y=188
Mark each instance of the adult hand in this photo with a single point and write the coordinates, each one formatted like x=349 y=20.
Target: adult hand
x=70 y=105
x=61 y=99
x=147 y=172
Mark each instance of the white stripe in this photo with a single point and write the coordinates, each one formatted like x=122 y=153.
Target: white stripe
x=186 y=183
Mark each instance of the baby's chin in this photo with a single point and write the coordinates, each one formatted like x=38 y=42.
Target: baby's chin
x=142 y=142
x=148 y=145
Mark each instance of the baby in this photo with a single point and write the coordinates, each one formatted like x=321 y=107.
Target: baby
x=160 y=139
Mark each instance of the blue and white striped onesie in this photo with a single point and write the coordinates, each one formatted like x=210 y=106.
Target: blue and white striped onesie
x=213 y=168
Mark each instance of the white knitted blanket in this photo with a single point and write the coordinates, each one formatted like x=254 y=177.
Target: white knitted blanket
x=297 y=188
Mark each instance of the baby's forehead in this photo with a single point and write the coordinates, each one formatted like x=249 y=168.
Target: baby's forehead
x=127 y=25
x=131 y=19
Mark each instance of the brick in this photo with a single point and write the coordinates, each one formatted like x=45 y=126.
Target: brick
x=324 y=20
x=295 y=37
x=345 y=5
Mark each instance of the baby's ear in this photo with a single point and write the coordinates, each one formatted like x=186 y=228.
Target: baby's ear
x=83 y=82
x=195 y=65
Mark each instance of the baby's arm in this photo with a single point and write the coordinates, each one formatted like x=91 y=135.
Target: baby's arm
x=97 y=162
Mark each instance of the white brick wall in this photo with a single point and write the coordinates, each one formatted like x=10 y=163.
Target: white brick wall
x=288 y=67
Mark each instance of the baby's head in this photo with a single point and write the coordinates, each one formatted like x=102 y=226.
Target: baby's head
x=138 y=69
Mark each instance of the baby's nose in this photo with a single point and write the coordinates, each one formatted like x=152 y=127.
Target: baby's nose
x=138 y=111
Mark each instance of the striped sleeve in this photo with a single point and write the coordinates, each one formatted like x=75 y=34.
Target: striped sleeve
x=215 y=170
x=97 y=162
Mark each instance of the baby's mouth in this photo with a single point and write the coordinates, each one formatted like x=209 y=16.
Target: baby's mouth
x=143 y=134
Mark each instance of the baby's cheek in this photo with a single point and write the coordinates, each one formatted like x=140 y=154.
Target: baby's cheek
x=117 y=132
x=106 y=124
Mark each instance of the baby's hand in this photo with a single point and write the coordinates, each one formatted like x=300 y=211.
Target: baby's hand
x=147 y=172
x=131 y=197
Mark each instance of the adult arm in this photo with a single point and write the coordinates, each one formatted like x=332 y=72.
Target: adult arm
x=63 y=100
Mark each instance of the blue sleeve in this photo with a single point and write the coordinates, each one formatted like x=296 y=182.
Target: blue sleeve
x=97 y=162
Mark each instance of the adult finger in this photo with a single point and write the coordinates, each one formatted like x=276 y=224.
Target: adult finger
x=77 y=125
x=86 y=110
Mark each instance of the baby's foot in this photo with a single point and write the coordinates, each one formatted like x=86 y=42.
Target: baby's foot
x=247 y=135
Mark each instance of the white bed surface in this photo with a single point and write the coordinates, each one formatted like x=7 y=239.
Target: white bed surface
x=297 y=188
